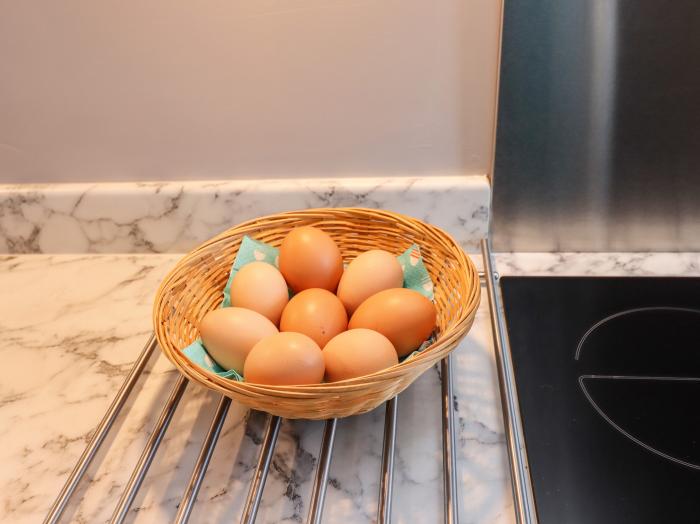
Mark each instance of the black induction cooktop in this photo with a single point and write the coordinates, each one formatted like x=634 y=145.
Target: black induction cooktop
x=608 y=378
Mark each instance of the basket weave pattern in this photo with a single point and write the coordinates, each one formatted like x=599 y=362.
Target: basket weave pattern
x=195 y=286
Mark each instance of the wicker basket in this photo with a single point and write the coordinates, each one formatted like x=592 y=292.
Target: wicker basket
x=195 y=286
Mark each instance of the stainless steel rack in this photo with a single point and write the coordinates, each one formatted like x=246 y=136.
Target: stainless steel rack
x=520 y=474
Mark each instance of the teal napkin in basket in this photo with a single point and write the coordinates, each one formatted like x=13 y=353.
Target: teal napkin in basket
x=415 y=277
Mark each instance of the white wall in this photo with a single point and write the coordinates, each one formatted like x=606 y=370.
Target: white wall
x=163 y=89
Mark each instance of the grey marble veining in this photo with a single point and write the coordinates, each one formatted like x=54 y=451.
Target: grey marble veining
x=174 y=217
x=73 y=327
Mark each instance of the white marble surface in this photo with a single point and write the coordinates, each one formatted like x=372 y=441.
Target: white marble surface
x=73 y=325
x=599 y=264
x=174 y=217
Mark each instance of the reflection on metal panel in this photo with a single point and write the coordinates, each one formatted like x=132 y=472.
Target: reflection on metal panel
x=598 y=141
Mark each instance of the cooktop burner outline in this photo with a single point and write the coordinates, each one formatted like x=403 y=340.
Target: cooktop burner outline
x=599 y=410
x=640 y=377
x=624 y=432
x=595 y=326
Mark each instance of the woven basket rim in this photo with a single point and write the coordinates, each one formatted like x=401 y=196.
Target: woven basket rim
x=463 y=269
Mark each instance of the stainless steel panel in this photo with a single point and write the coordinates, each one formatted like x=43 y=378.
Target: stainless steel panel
x=598 y=140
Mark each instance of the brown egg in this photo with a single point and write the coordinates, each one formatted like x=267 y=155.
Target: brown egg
x=356 y=353
x=402 y=315
x=316 y=313
x=260 y=287
x=370 y=273
x=309 y=258
x=284 y=359
x=229 y=333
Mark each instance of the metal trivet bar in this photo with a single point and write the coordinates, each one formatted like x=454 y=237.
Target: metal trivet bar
x=252 y=504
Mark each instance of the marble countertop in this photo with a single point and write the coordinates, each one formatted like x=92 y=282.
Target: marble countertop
x=74 y=324
x=73 y=327
x=175 y=217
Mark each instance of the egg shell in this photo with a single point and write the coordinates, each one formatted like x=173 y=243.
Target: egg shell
x=356 y=353
x=370 y=273
x=310 y=258
x=402 y=315
x=316 y=313
x=260 y=287
x=229 y=333
x=285 y=359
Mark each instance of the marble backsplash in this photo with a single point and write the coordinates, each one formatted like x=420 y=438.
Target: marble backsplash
x=172 y=217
